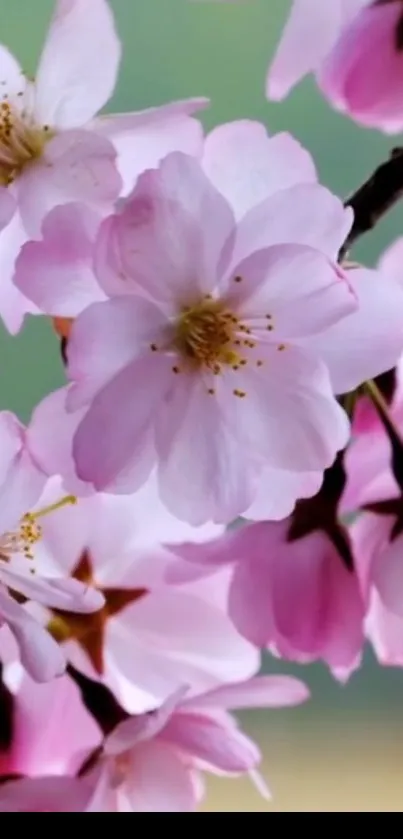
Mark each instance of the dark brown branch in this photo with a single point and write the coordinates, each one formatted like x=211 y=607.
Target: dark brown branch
x=372 y=200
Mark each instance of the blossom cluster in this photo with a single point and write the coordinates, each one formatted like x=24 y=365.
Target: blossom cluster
x=222 y=472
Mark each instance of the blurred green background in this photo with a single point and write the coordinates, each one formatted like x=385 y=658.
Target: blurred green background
x=344 y=750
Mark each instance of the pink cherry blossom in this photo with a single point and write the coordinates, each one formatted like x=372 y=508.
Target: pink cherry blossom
x=56 y=272
x=21 y=484
x=151 y=763
x=152 y=634
x=353 y=47
x=53 y=149
x=195 y=322
x=293 y=596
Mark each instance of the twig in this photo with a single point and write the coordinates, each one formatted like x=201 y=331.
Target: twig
x=375 y=197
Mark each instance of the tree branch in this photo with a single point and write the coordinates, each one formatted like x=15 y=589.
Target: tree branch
x=377 y=195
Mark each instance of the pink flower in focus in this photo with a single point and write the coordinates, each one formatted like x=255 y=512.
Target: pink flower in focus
x=21 y=484
x=151 y=635
x=292 y=595
x=276 y=184
x=53 y=150
x=355 y=49
x=206 y=323
x=152 y=763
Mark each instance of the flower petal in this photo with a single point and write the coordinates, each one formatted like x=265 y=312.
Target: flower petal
x=119 y=423
x=191 y=433
x=105 y=339
x=258 y=692
x=368 y=341
x=270 y=505
x=40 y=654
x=13 y=305
x=44 y=795
x=160 y=782
x=210 y=740
x=311 y=32
x=144 y=138
x=271 y=163
x=172 y=229
x=299 y=287
x=304 y=214
x=21 y=480
x=288 y=415
x=56 y=272
x=79 y=63
x=66 y=595
x=142 y=727
x=50 y=439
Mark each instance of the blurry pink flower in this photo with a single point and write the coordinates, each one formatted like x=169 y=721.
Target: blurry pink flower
x=292 y=595
x=21 y=484
x=377 y=537
x=51 y=735
x=52 y=150
x=151 y=635
x=48 y=794
x=51 y=731
x=207 y=324
x=355 y=49
x=152 y=763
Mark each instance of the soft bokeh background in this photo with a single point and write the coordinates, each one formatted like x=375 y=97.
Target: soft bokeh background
x=344 y=750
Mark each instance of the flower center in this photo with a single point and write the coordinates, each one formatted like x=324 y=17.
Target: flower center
x=29 y=531
x=21 y=142
x=205 y=334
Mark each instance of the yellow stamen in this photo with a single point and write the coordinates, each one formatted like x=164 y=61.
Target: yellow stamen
x=206 y=335
x=39 y=514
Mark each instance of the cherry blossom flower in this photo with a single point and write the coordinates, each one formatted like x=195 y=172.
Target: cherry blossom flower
x=292 y=595
x=56 y=271
x=53 y=150
x=209 y=326
x=21 y=484
x=354 y=47
x=151 y=763
x=152 y=633
x=211 y=343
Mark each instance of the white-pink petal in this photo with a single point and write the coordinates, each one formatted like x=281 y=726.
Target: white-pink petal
x=368 y=341
x=310 y=33
x=142 y=139
x=79 y=64
x=298 y=287
x=258 y=692
x=192 y=430
x=40 y=654
x=304 y=214
x=247 y=165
